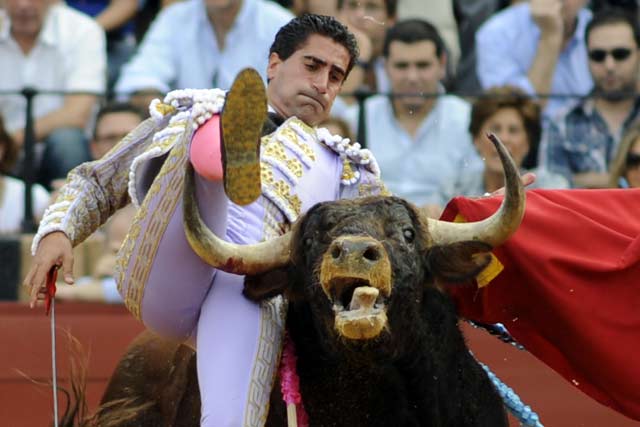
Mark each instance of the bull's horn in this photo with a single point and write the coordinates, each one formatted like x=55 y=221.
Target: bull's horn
x=230 y=257
x=499 y=226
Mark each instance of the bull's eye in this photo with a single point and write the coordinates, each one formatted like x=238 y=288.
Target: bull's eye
x=308 y=242
x=409 y=235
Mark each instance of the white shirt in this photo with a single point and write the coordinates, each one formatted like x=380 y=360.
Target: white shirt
x=69 y=55
x=180 y=49
x=12 y=203
x=416 y=168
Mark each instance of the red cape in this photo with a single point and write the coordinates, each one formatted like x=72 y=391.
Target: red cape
x=570 y=288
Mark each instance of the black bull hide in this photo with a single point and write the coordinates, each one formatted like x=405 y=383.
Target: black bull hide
x=377 y=340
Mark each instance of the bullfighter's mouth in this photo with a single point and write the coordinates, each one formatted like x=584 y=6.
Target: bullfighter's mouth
x=360 y=309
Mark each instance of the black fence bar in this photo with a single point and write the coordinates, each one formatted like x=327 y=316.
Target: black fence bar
x=29 y=172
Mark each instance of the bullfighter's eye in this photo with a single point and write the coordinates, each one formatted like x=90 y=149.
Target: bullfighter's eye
x=409 y=235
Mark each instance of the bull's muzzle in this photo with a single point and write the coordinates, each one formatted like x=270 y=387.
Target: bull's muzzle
x=355 y=275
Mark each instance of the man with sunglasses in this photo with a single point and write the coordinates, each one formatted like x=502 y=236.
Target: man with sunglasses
x=581 y=142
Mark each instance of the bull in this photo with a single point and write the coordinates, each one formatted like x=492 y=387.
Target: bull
x=377 y=338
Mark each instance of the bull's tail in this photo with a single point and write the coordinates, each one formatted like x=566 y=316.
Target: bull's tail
x=116 y=413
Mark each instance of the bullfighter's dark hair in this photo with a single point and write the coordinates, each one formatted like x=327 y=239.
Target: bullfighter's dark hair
x=612 y=16
x=412 y=31
x=8 y=148
x=501 y=97
x=116 y=107
x=391 y=7
x=296 y=32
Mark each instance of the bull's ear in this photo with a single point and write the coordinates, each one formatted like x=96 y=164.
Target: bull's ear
x=263 y=286
x=459 y=261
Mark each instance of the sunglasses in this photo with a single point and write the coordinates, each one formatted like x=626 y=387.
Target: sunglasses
x=618 y=54
x=633 y=160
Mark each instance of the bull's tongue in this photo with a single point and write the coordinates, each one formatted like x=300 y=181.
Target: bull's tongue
x=363 y=320
x=363 y=298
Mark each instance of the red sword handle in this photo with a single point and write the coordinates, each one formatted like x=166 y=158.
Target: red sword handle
x=52 y=276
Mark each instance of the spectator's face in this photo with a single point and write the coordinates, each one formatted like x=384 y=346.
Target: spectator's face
x=508 y=125
x=613 y=60
x=370 y=17
x=306 y=84
x=110 y=130
x=27 y=16
x=414 y=68
x=632 y=173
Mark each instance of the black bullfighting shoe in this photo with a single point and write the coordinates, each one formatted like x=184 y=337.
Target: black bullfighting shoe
x=243 y=115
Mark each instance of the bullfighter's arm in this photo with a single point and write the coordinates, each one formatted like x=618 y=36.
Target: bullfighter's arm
x=95 y=190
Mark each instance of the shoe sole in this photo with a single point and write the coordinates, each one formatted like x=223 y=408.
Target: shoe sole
x=241 y=122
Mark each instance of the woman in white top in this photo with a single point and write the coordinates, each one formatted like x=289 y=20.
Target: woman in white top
x=12 y=189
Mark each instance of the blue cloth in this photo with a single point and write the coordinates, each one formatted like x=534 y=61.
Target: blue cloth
x=578 y=140
x=180 y=49
x=416 y=168
x=506 y=46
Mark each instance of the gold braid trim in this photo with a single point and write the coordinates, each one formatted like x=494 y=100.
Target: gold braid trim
x=168 y=182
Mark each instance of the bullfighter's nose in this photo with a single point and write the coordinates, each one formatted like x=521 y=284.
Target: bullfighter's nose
x=356 y=249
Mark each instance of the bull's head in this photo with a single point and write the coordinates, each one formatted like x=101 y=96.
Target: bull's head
x=357 y=254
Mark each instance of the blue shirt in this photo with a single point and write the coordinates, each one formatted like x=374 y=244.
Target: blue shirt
x=417 y=167
x=506 y=47
x=180 y=49
x=578 y=140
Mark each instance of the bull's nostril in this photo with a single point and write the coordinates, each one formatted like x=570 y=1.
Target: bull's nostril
x=371 y=254
x=336 y=252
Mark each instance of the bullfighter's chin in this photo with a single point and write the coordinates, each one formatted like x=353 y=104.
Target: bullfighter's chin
x=364 y=319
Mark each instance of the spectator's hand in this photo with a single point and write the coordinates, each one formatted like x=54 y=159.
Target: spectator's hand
x=547 y=15
x=54 y=249
x=527 y=179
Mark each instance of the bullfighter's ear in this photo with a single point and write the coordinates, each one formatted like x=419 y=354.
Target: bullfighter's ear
x=266 y=285
x=459 y=261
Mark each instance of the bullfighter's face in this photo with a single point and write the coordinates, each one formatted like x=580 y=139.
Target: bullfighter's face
x=414 y=69
x=365 y=261
x=306 y=84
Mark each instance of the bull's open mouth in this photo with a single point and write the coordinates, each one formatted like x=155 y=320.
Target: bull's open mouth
x=360 y=309
x=343 y=289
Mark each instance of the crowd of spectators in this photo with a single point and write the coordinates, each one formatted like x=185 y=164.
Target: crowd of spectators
x=556 y=80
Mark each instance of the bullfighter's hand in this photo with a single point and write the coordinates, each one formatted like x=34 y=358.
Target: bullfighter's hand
x=527 y=179
x=54 y=249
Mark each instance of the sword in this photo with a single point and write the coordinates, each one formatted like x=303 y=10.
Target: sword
x=50 y=307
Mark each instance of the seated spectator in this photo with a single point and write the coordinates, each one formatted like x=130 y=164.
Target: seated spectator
x=514 y=118
x=51 y=47
x=419 y=134
x=12 y=189
x=101 y=285
x=113 y=123
x=201 y=44
x=580 y=142
x=369 y=21
x=116 y=19
x=539 y=47
x=625 y=168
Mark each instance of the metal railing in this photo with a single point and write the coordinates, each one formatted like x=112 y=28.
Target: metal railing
x=29 y=93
